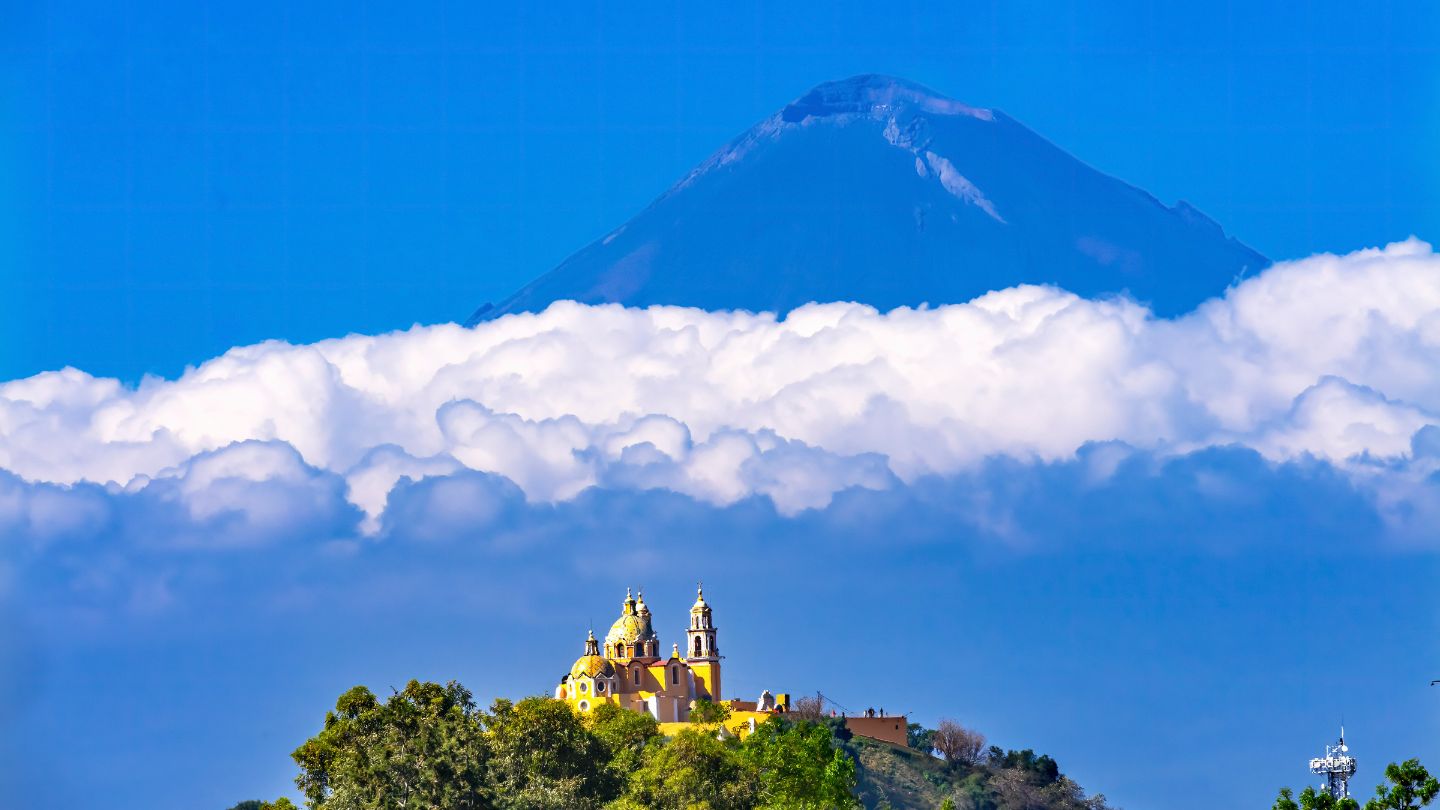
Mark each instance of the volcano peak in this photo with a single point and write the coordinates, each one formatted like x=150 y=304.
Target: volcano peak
x=879 y=190
x=875 y=95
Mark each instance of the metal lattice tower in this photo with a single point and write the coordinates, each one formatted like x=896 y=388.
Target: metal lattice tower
x=1337 y=766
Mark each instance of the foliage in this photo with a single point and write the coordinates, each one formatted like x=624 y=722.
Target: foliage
x=905 y=779
x=693 y=769
x=1411 y=786
x=421 y=748
x=624 y=734
x=543 y=756
x=958 y=744
x=707 y=711
x=429 y=747
x=1036 y=767
x=1311 y=799
x=920 y=738
x=800 y=765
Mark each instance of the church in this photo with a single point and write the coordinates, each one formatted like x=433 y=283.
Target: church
x=630 y=673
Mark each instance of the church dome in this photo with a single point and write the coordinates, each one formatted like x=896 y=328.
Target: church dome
x=626 y=630
x=633 y=626
x=592 y=666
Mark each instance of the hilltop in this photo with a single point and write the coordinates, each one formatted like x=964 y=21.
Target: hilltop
x=901 y=778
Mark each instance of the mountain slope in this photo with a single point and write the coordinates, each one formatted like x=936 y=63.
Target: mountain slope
x=893 y=777
x=878 y=190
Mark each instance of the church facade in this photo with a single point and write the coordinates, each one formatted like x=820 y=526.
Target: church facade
x=629 y=671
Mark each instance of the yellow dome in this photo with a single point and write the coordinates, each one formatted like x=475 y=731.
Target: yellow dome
x=632 y=627
x=625 y=630
x=590 y=666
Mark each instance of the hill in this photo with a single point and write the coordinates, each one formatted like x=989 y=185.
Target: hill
x=900 y=778
x=879 y=190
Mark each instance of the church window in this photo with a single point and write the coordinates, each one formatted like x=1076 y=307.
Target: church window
x=599 y=687
x=584 y=706
x=584 y=686
x=697 y=645
x=636 y=674
x=674 y=676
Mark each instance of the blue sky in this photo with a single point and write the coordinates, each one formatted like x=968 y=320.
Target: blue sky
x=1138 y=582
x=238 y=174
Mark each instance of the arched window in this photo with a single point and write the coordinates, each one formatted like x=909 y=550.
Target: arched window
x=674 y=676
x=636 y=674
x=697 y=645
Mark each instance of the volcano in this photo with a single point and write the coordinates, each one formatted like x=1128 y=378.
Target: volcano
x=878 y=190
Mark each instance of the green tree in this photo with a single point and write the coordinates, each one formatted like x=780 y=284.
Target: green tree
x=624 y=734
x=693 y=769
x=800 y=766
x=1312 y=799
x=1411 y=786
x=920 y=738
x=423 y=747
x=542 y=756
x=707 y=711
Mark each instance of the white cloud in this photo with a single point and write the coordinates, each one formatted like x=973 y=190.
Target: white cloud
x=1330 y=356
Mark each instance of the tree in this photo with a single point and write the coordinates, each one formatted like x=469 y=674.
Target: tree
x=624 y=734
x=707 y=711
x=281 y=803
x=542 y=756
x=423 y=747
x=1311 y=799
x=1038 y=768
x=920 y=738
x=1411 y=786
x=808 y=708
x=958 y=744
x=693 y=769
x=799 y=765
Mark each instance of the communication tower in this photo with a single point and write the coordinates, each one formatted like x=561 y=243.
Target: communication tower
x=1337 y=766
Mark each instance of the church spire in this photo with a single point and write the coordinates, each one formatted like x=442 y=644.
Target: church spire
x=700 y=641
x=592 y=647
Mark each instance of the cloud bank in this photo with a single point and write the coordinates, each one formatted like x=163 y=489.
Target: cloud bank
x=1329 y=359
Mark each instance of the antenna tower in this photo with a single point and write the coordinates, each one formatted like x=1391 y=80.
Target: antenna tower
x=1337 y=766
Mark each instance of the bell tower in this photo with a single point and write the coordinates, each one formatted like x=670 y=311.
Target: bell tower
x=701 y=652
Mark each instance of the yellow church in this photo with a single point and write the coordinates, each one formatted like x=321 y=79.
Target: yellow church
x=630 y=673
